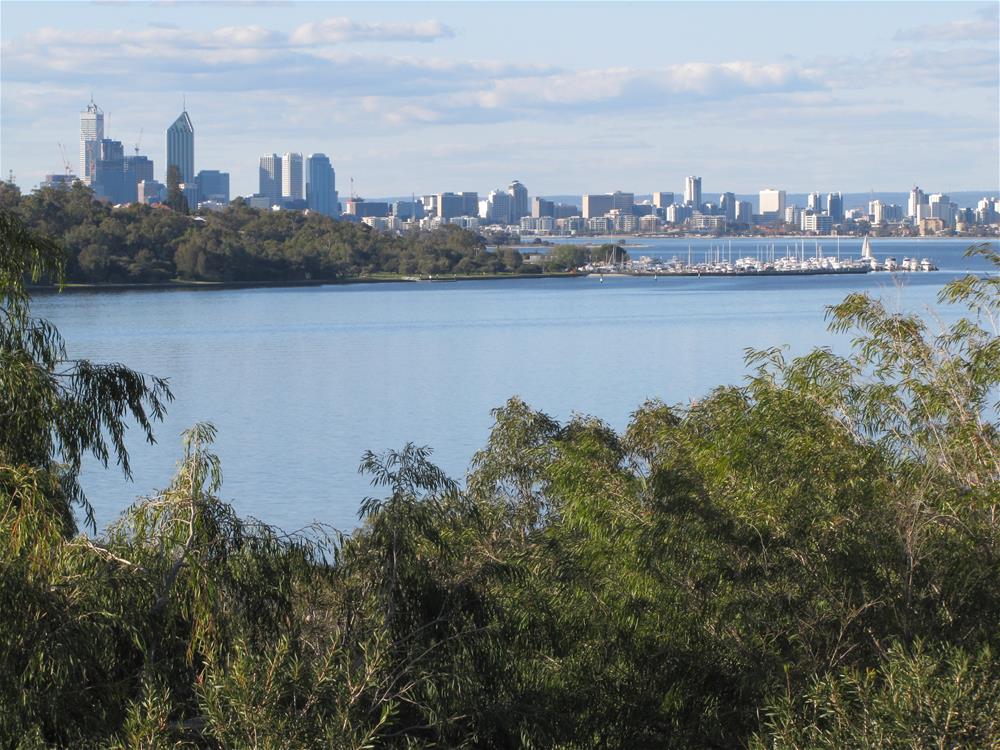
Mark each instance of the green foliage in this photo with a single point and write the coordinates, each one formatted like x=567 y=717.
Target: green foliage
x=153 y=244
x=808 y=560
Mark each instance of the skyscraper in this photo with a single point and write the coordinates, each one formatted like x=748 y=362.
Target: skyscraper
x=519 y=205
x=270 y=177
x=727 y=206
x=180 y=147
x=321 y=185
x=835 y=207
x=92 y=133
x=917 y=198
x=692 y=191
x=815 y=202
x=291 y=177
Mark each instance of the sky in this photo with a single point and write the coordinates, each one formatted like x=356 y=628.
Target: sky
x=567 y=97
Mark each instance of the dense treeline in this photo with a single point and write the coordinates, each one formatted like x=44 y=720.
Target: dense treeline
x=807 y=561
x=142 y=244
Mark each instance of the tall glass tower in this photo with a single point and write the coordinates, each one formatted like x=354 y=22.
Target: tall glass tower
x=321 y=185
x=180 y=147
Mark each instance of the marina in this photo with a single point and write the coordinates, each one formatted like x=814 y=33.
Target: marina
x=769 y=260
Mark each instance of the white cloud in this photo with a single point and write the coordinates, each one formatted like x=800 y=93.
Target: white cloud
x=342 y=29
x=984 y=28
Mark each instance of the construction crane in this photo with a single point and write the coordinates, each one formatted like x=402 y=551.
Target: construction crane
x=67 y=168
x=138 y=142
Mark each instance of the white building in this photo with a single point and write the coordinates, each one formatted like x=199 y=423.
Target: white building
x=291 y=177
x=270 y=177
x=772 y=203
x=692 y=191
x=92 y=133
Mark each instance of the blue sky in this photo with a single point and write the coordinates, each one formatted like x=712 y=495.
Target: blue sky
x=568 y=97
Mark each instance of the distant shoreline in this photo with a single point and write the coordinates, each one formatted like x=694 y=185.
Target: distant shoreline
x=214 y=285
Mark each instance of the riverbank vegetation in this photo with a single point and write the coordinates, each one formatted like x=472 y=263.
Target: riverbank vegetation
x=143 y=244
x=807 y=560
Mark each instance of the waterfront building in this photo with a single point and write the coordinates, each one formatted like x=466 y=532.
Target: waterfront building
x=91 y=133
x=772 y=204
x=213 y=185
x=817 y=222
x=876 y=210
x=793 y=215
x=692 y=191
x=814 y=202
x=599 y=224
x=180 y=147
x=663 y=199
x=566 y=210
x=321 y=185
x=650 y=223
x=150 y=191
x=519 y=205
x=292 y=182
x=916 y=199
x=270 y=178
x=835 y=207
x=542 y=207
x=571 y=224
x=595 y=205
x=706 y=222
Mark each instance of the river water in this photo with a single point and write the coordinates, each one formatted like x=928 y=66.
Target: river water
x=300 y=381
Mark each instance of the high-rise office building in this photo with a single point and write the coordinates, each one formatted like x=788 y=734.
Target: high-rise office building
x=541 y=207
x=692 y=191
x=663 y=199
x=91 y=134
x=772 y=203
x=596 y=204
x=727 y=207
x=321 y=185
x=270 y=177
x=500 y=207
x=180 y=147
x=213 y=185
x=519 y=205
x=814 y=202
x=470 y=203
x=835 y=207
x=744 y=212
x=291 y=177
x=623 y=202
x=451 y=205
x=917 y=199
x=108 y=173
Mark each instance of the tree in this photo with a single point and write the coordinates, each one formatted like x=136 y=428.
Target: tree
x=175 y=196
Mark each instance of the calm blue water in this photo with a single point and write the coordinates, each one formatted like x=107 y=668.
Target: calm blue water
x=299 y=382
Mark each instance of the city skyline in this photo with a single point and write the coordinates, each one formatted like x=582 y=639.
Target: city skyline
x=860 y=112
